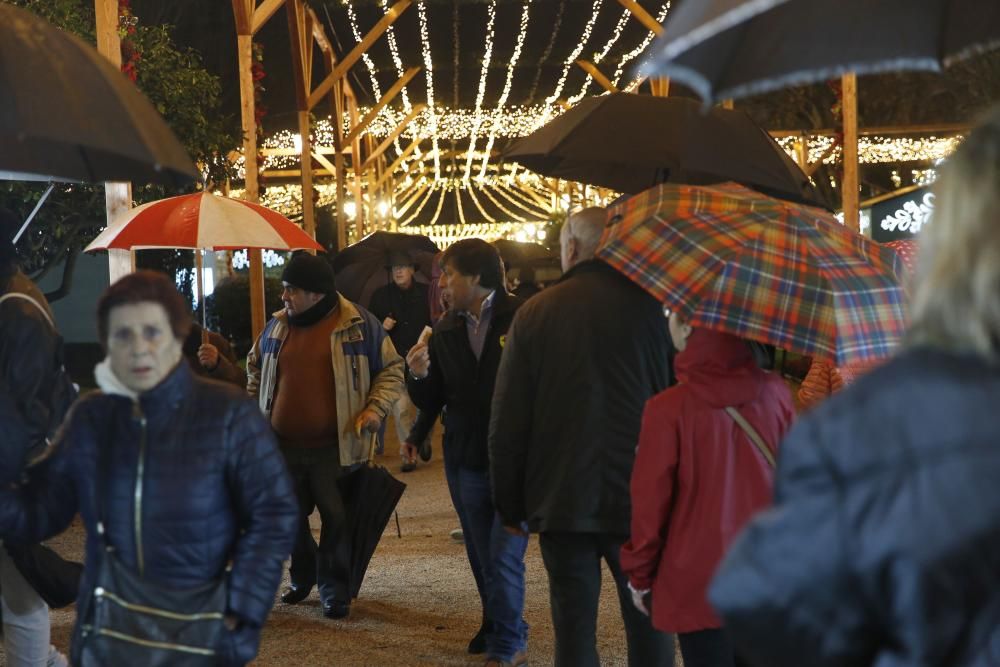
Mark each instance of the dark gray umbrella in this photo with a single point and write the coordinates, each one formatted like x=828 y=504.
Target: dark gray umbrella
x=67 y=114
x=630 y=143
x=734 y=48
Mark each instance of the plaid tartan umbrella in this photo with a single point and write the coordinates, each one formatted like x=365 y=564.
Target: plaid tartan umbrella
x=728 y=258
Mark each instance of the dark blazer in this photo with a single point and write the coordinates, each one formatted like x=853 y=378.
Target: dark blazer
x=462 y=384
x=582 y=359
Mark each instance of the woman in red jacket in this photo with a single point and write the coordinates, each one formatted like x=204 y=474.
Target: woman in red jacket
x=698 y=477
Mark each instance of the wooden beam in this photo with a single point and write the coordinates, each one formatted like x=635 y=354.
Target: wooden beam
x=598 y=76
x=395 y=163
x=385 y=99
x=243 y=13
x=323 y=160
x=941 y=128
x=318 y=31
x=344 y=65
x=263 y=13
x=849 y=187
x=323 y=150
x=642 y=15
x=417 y=108
x=811 y=168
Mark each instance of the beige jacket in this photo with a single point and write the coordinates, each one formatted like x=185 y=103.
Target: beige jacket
x=368 y=372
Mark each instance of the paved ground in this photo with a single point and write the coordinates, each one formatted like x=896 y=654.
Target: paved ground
x=418 y=605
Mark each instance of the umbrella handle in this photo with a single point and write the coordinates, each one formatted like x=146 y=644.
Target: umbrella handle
x=371 y=449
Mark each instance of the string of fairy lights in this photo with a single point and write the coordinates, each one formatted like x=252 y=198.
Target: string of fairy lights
x=481 y=92
x=571 y=59
x=522 y=32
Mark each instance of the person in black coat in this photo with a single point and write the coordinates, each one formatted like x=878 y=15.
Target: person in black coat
x=582 y=358
x=404 y=311
x=883 y=544
x=180 y=475
x=456 y=370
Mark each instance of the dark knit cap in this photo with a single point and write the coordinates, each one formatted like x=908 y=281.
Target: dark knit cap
x=309 y=272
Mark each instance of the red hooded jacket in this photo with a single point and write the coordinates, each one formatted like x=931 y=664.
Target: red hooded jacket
x=697 y=477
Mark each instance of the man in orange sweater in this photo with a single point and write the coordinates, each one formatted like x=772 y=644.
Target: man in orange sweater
x=326 y=374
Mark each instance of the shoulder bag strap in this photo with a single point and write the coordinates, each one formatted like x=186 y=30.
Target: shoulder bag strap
x=752 y=434
x=19 y=295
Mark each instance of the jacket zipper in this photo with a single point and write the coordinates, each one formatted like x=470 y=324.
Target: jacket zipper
x=140 y=473
x=354 y=372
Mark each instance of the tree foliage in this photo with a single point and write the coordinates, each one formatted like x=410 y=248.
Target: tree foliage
x=185 y=94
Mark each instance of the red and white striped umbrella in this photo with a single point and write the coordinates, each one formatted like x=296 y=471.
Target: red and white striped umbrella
x=203 y=221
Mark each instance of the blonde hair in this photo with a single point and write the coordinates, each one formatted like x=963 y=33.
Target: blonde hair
x=956 y=288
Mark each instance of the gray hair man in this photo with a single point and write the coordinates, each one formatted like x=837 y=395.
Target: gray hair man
x=580 y=361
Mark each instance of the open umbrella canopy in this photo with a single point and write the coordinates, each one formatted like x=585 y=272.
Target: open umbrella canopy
x=734 y=48
x=632 y=142
x=516 y=253
x=68 y=115
x=728 y=258
x=363 y=267
x=206 y=221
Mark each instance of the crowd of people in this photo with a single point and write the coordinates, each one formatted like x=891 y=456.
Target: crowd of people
x=865 y=532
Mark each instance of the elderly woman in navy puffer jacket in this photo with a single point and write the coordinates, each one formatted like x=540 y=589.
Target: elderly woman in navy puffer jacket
x=191 y=480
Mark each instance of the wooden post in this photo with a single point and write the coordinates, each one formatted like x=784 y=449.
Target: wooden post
x=357 y=160
x=117 y=196
x=802 y=151
x=243 y=12
x=339 y=163
x=849 y=187
x=300 y=31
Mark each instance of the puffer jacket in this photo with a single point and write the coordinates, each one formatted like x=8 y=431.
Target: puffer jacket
x=35 y=391
x=213 y=489
x=698 y=477
x=366 y=368
x=883 y=545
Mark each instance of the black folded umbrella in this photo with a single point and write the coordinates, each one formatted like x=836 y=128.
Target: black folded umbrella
x=630 y=143
x=68 y=115
x=363 y=267
x=370 y=495
x=734 y=48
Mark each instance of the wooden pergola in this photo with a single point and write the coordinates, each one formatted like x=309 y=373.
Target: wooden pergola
x=354 y=152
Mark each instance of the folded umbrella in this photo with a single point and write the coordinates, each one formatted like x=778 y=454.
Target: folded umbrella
x=629 y=143
x=69 y=115
x=370 y=495
x=735 y=48
x=728 y=258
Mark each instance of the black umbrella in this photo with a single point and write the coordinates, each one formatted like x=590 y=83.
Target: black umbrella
x=516 y=253
x=630 y=143
x=68 y=115
x=734 y=48
x=370 y=495
x=363 y=267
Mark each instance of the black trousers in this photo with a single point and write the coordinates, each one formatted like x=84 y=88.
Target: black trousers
x=327 y=564
x=573 y=562
x=708 y=648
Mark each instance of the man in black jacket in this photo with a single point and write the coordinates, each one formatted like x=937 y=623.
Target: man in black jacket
x=457 y=369
x=403 y=309
x=580 y=362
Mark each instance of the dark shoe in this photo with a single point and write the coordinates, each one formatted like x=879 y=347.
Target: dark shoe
x=336 y=608
x=408 y=465
x=295 y=594
x=425 y=450
x=520 y=658
x=477 y=645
